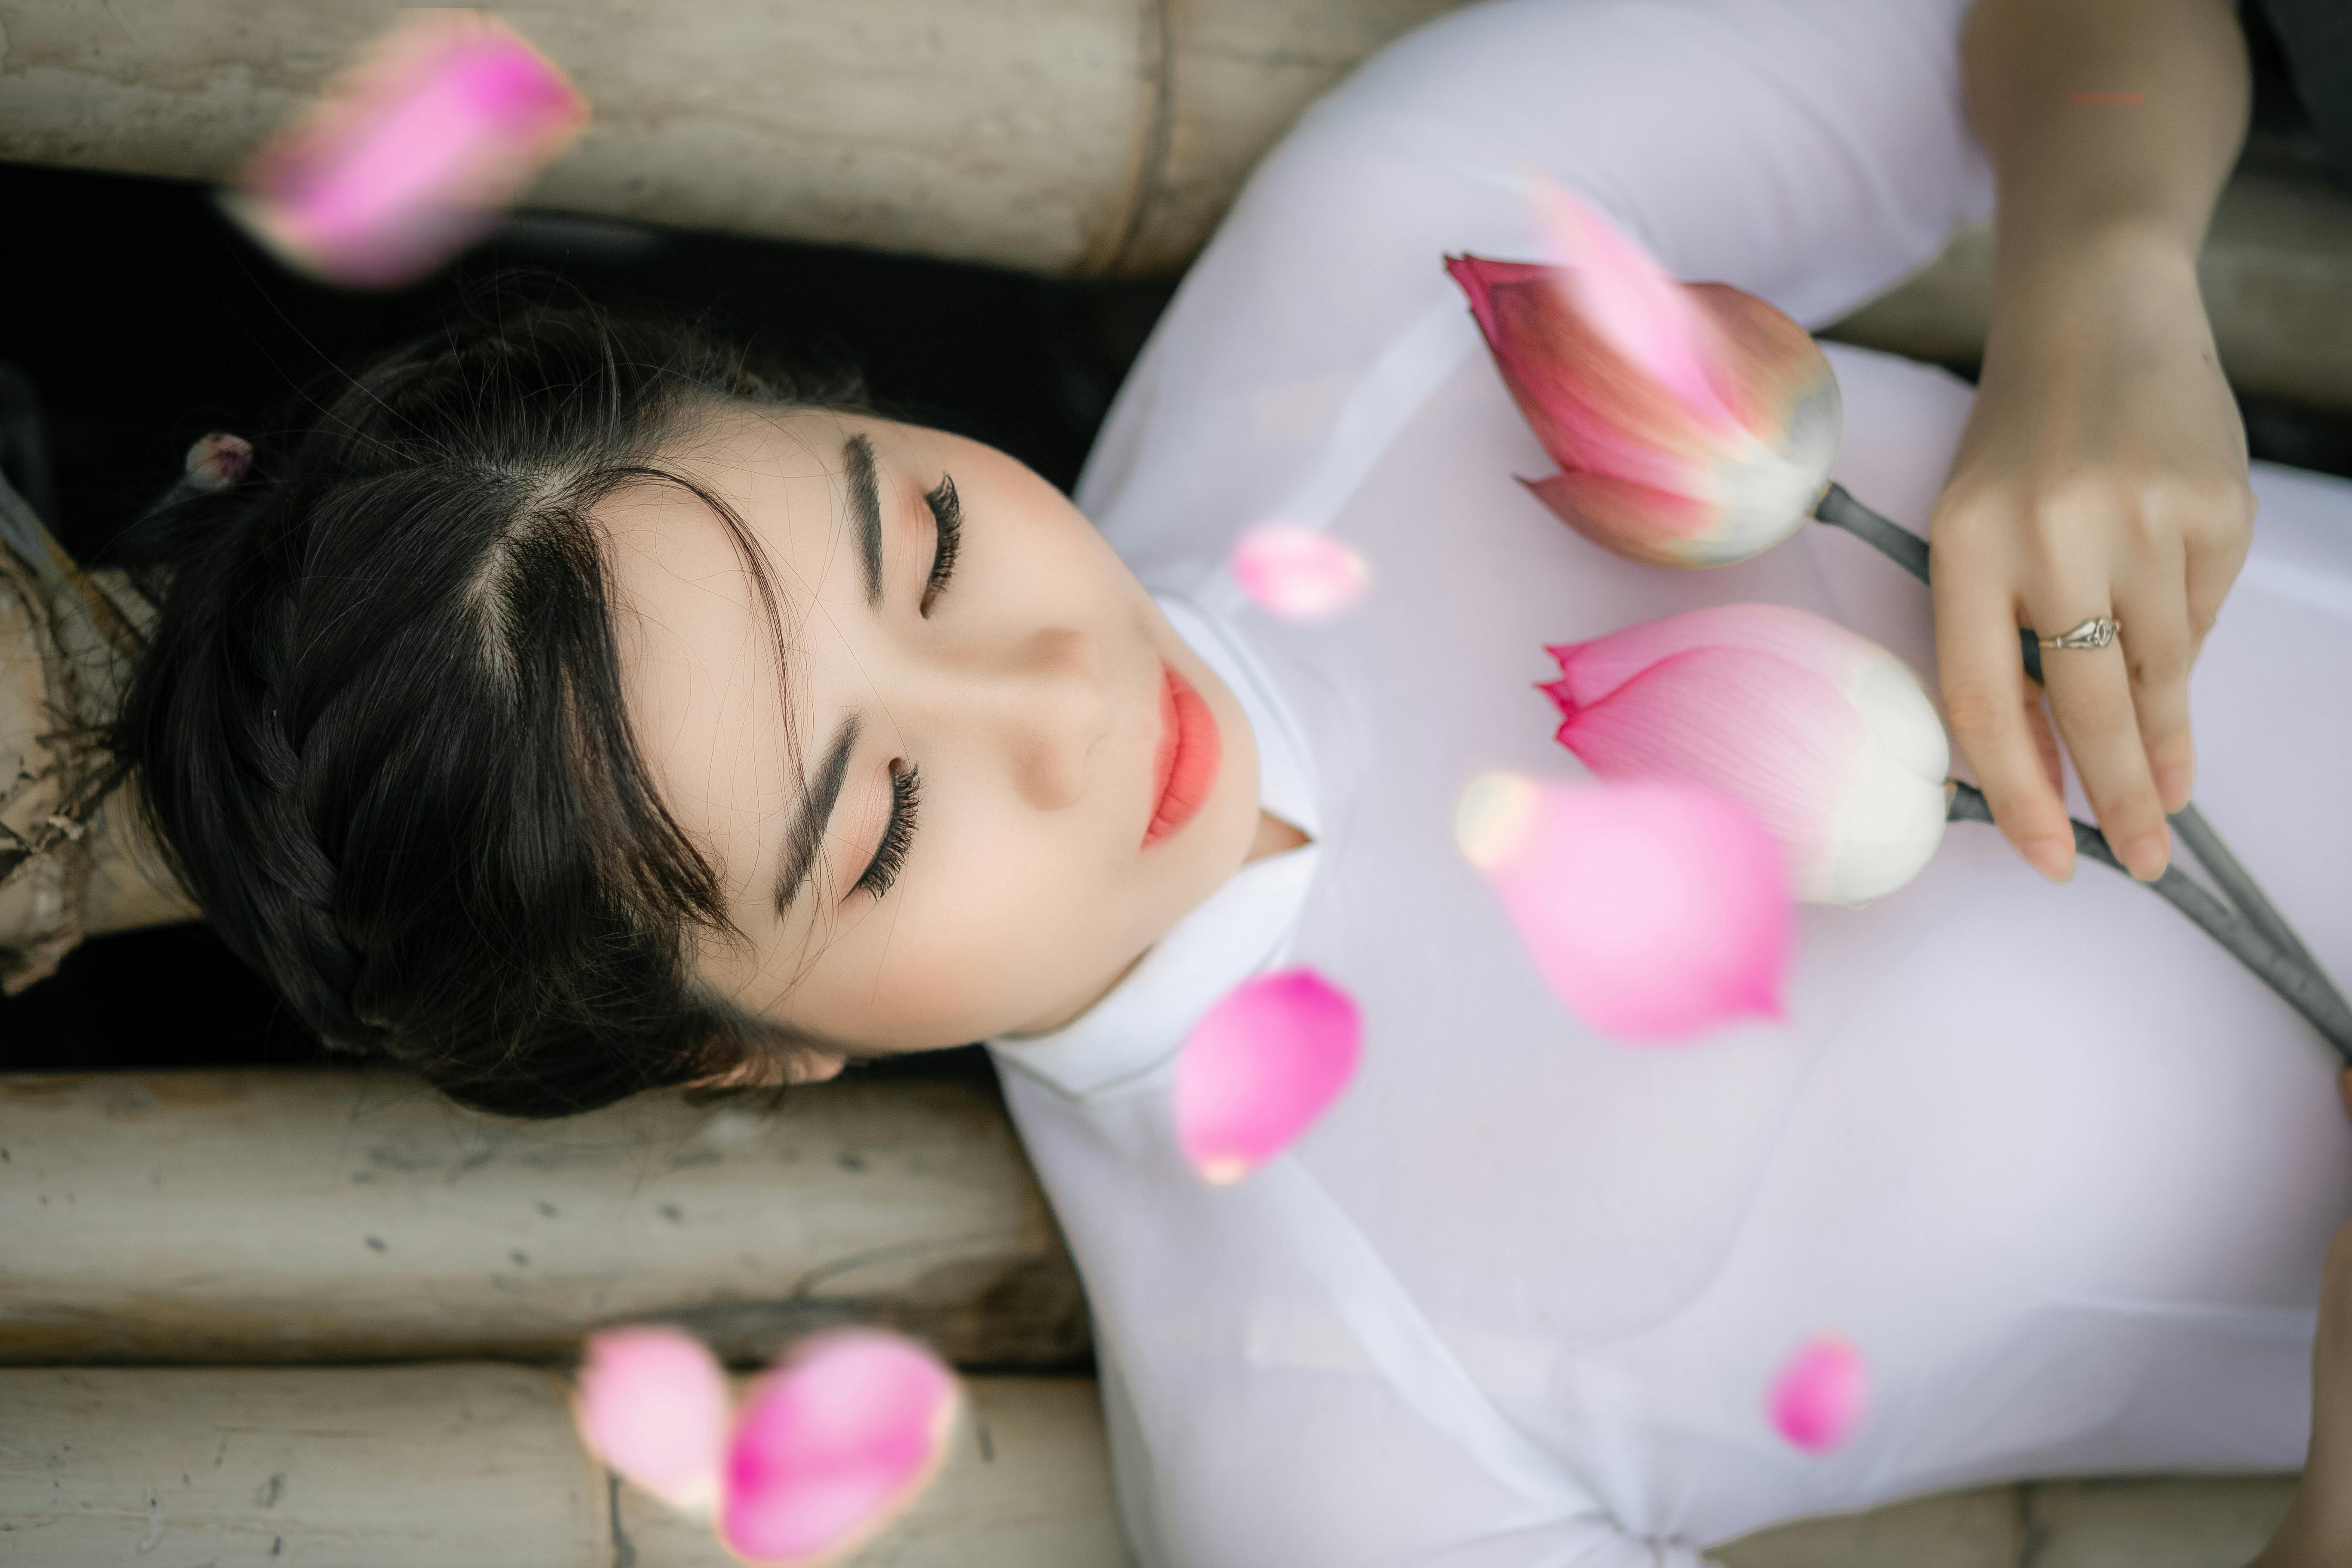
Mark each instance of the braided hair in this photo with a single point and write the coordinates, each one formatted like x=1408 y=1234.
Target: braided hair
x=379 y=727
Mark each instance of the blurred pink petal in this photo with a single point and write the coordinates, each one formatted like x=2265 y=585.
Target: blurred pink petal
x=1259 y=1067
x=1655 y=911
x=1694 y=424
x=1820 y=1393
x=847 y=1430
x=412 y=153
x=652 y=1402
x=1830 y=740
x=1299 y=574
x=1643 y=314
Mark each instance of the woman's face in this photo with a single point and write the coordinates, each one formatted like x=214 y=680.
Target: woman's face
x=955 y=807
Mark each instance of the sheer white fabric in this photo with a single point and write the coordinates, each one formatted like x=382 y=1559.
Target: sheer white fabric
x=2057 y=1165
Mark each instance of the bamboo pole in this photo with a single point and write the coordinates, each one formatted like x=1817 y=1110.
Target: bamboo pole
x=468 y=1465
x=1094 y=137
x=260 y=1215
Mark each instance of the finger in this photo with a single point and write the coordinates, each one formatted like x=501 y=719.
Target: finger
x=2344 y=1089
x=1986 y=700
x=2045 y=742
x=2091 y=704
x=2215 y=557
x=2157 y=649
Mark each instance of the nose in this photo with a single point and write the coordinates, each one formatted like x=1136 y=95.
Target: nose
x=1042 y=699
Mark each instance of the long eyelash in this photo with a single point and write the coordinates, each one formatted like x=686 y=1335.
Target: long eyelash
x=890 y=855
x=947 y=511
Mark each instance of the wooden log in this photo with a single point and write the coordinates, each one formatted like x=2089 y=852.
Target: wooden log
x=2275 y=274
x=468 y=1465
x=1098 y=137
x=262 y=1216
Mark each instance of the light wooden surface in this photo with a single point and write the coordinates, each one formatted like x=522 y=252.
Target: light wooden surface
x=1056 y=136
x=320 y=1215
x=467 y=1465
x=476 y=1465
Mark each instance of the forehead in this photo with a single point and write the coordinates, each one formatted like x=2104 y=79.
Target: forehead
x=715 y=684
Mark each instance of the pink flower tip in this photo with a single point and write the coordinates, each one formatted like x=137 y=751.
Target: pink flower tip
x=832 y=1444
x=1259 y=1069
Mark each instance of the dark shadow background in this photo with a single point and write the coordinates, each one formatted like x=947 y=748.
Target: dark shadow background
x=142 y=320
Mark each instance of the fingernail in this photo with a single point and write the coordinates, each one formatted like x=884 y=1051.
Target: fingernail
x=2053 y=857
x=2148 y=850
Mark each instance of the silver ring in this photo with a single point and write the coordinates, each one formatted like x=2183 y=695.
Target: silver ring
x=2097 y=632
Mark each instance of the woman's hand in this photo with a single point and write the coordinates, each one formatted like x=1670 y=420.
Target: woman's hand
x=2317 y=1530
x=2100 y=472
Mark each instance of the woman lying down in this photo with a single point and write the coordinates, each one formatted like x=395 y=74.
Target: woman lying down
x=573 y=708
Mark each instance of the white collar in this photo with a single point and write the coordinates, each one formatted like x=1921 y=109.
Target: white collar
x=1241 y=929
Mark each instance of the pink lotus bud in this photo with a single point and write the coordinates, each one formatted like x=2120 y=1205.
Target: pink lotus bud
x=1299 y=574
x=1820 y=1393
x=1654 y=910
x=847 y=1430
x=1830 y=740
x=1259 y=1067
x=1694 y=424
x=412 y=153
x=652 y=1402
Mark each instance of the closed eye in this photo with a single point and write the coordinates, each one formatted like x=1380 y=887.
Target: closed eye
x=946 y=514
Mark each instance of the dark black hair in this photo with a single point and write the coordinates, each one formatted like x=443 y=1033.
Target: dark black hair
x=380 y=728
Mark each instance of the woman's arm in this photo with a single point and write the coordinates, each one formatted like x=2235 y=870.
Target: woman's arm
x=2102 y=470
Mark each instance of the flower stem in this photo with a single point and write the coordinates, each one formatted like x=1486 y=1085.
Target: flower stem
x=1838 y=508
x=2249 y=924
x=2307 y=991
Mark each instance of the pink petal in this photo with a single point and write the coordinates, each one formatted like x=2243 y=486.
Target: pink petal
x=1591 y=670
x=1259 y=1067
x=412 y=152
x=1820 y=1393
x=1644 y=314
x=1632 y=519
x=652 y=1402
x=847 y=1431
x=1656 y=911
x=1299 y=574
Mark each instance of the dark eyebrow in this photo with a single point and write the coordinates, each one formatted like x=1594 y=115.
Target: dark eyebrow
x=808 y=828
x=865 y=499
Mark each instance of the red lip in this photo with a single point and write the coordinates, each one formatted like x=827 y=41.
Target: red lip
x=1185 y=768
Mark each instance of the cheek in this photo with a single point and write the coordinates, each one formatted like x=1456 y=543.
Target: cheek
x=1002 y=922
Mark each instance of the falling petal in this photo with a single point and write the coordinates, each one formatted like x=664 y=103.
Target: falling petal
x=1655 y=911
x=1820 y=1393
x=1647 y=316
x=652 y=1402
x=1260 y=1068
x=847 y=1431
x=412 y=153
x=1299 y=574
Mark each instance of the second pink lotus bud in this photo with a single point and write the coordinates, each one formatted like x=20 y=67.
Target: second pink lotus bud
x=1828 y=738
